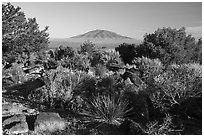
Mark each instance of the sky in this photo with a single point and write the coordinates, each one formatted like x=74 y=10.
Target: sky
x=132 y=19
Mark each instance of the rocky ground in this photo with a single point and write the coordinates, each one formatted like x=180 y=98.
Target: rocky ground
x=20 y=118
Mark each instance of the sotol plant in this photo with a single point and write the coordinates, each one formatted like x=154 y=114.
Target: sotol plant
x=107 y=109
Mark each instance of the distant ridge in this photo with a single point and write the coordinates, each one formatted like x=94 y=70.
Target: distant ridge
x=101 y=34
x=101 y=38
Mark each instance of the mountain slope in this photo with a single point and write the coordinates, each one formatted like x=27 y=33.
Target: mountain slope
x=101 y=34
x=101 y=38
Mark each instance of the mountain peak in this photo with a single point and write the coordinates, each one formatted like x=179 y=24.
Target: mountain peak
x=101 y=34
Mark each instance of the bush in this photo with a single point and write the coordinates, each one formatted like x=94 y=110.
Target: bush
x=64 y=52
x=170 y=46
x=77 y=62
x=113 y=81
x=178 y=83
x=81 y=62
x=90 y=87
x=15 y=74
x=41 y=56
x=111 y=57
x=107 y=109
x=149 y=68
x=60 y=85
x=100 y=70
x=154 y=128
x=87 y=48
x=127 y=52
x=96 y=58
x=167 y=44
x=84 y=90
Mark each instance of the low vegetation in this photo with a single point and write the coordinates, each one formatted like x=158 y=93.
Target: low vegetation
x=142 y=87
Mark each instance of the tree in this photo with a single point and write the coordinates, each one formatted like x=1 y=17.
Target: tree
x=127 y=52
x=20 y=35
x=197 y=52
x=170 y=46
x=87 y=48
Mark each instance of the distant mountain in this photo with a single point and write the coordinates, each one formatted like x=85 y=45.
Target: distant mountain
x=101 y=38
x=101 y=34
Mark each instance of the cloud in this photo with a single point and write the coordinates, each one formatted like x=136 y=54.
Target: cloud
x=195 y=31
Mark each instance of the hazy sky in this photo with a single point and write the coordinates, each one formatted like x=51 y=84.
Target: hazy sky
x=134 y=19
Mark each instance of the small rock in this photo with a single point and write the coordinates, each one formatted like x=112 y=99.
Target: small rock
x=9 y=109
x=15 y=118
x=18 y=128
x=31 y=112
x=49 y=121
x=12 y=109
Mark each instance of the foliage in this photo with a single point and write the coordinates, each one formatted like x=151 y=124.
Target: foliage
x=178 y=83
x=87 y=48
x=112 y=57
x=100 y=70
x=41 y=56
x=154 y=128
x=196 y=54
x=96 y=58
x=127 y=52
x=90 y=87
x=110 y=84
x=20 y=35
x=170 y=46
x=69 y=58
x=84 y=90
x=60 y=85
x=77 y=62
x=163 y=72
x=149 y=68
x=16 y=74
x=81 y=62
x=105 y=109
x=167 y=44
x=64 y=52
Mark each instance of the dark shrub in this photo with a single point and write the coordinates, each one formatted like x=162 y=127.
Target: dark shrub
x=141 y=104
x=64 y=52
x=127 y=52
x=170 y=46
